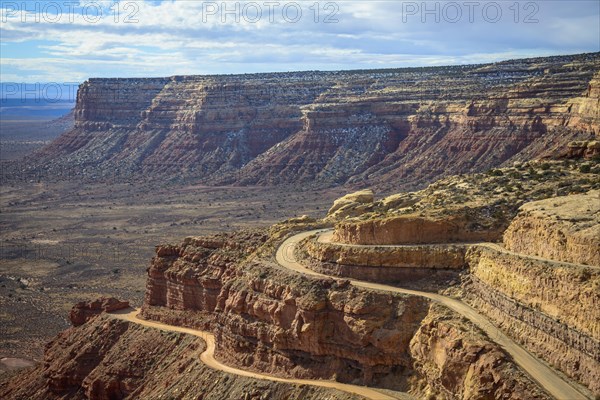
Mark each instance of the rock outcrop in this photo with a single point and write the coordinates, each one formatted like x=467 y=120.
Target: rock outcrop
x=458 y=363
x=107 y=358
x=83 y=311
x=384 y=264
x=281 y=323
x=561 y=228
x=552 y=308
x=386 y=128
x=351 y=205
x=411 y=230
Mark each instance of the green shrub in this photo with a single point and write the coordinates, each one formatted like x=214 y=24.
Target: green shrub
x=495 y=172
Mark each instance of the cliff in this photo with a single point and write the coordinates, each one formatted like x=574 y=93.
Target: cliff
x=108 y=358
x=459 y=363
x=411 y=230
x=403 y=265
x=562 y=229
x=327 y=128
x=281 y=323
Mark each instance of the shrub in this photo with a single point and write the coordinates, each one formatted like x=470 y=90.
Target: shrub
x=495 y=172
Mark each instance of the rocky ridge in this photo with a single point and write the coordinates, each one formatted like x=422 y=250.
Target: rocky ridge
x=541 y=285
x=378 y=127
x=562 y=229
x=275 y=321
x=107 y=358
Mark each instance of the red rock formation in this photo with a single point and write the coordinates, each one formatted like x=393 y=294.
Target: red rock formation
x=272 y=321
x=87 y=310
x=107 y=359
x=411 y=230
x=395 y=128
x=458 y=364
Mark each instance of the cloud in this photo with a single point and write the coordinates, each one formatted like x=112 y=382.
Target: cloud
x=136 y=38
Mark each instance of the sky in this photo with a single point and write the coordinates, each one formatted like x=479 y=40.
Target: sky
x=71 y=41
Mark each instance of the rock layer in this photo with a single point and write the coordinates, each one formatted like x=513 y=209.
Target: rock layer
x=561 y=228
x=275 y=322
x=411 y=230
x=459 y=364
x=389 y=128
x=551 y=308
x=87 y=310
x=384 y=264
x=108 y=358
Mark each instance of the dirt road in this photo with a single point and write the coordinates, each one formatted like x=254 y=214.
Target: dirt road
x=208 y=358
x=545 y=376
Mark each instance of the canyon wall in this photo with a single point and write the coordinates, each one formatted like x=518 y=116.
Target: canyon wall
x=561 y=228
x=551 y=308
x=281 y=323
x=278 y=322
x=107 y=359
x=384 y=264
x=389 y=128
x=411 y=230
x=567 y=294
x=459 y=363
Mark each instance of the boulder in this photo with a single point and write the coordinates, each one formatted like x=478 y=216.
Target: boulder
x=351 y=205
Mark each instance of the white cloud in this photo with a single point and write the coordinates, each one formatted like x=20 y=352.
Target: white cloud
x=187 y=37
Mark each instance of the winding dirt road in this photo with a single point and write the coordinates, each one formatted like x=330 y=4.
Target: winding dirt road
x=208 y=358
x=545 y=376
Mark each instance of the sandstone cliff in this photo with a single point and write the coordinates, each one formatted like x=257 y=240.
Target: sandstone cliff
x=411 y=230
x=459 y=363
x=108 y=358
x=281 y=323
x=403 y=265
x=389 y=128
x=561 y=228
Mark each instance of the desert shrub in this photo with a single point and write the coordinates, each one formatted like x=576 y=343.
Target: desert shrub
x=585 y=168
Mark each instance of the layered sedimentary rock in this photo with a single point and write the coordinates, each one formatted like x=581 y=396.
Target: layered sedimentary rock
x=551 y=308
x=87 y=310
x=394 y=128
x=411 y=230
x=561 y=228
x=108 y=358
x=458 y=363
x=279 y=323
x=384 y=264
x=425 y=256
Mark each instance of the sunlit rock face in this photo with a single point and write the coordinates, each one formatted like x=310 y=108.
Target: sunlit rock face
x=392 y=128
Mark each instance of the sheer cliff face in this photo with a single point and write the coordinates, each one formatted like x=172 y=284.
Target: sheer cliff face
x=277 y=322
x=392 y=127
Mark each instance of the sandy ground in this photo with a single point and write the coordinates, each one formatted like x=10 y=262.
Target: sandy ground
x=62 y=243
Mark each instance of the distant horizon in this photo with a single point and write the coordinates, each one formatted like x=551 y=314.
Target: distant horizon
x=3 y=84
x=50 y=41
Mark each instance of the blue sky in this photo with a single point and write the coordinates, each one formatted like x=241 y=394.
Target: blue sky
x=70 y=41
